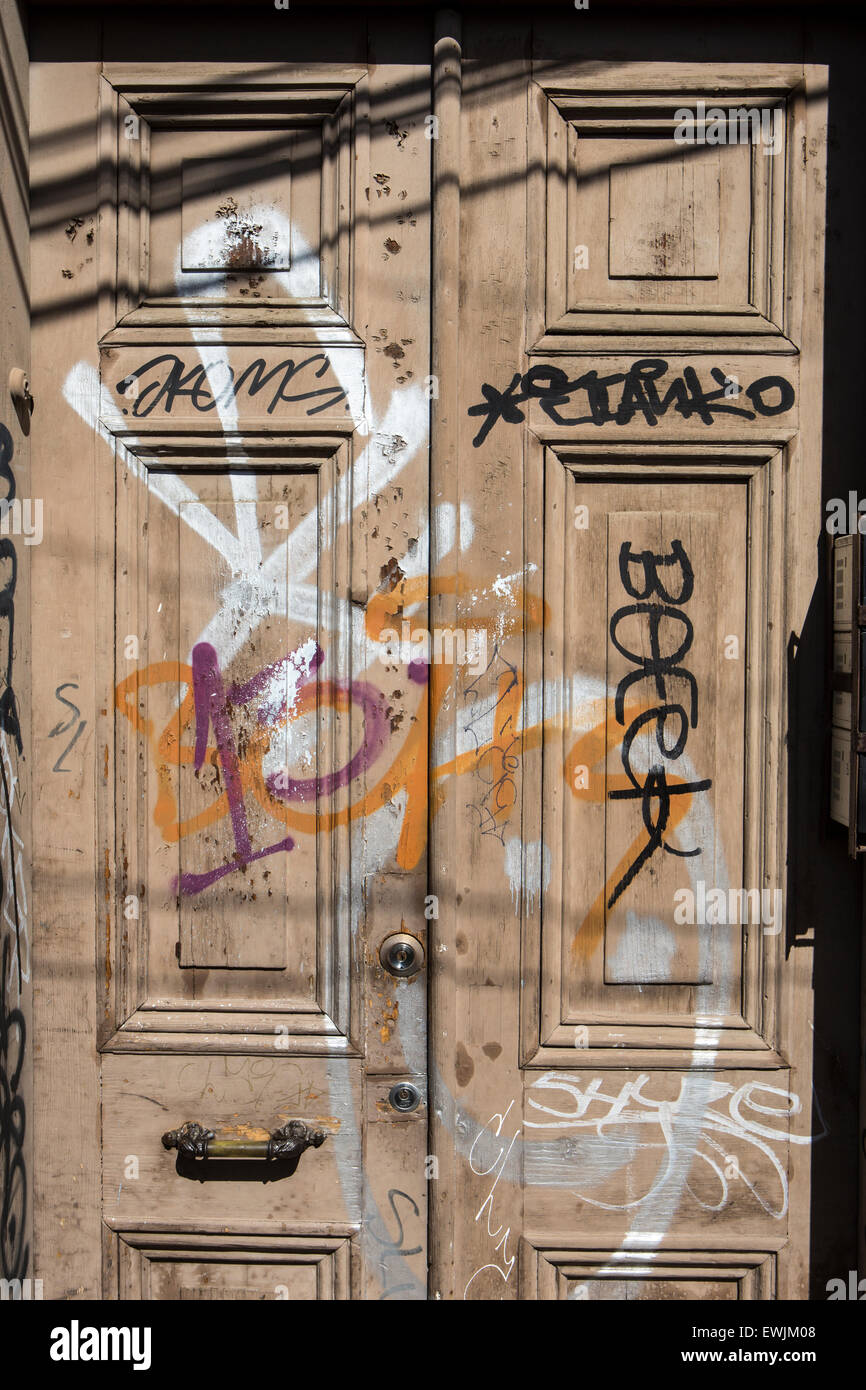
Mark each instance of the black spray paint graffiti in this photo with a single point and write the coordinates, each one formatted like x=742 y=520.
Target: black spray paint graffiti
x=9 y=721
x=640 y=395
x=65 y=725
x=654 y=792
x=165 y=379
x=14 y=1253
x=8 y=705
x=392 y=1247
x=497 y=768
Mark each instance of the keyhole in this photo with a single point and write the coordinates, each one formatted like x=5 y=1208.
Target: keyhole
x=404 y=1096
x=401 y=955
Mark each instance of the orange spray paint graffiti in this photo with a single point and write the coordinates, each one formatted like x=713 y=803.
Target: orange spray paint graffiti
x=184 y=743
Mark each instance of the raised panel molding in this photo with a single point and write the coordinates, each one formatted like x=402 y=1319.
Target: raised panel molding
x=230 y=208
x=677 y=235
x=716 y=1009
x=192 y=1262
x=643 y=244
x=674 y=1268
x=189 y=973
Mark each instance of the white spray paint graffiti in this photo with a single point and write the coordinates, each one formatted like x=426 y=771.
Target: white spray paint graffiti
x=528 y=870
x=622 y=1117
x=503 y=1265
x=14 y=907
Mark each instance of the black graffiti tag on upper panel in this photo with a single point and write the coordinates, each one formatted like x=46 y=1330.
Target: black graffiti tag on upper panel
x=618 y=398
x=165 y=379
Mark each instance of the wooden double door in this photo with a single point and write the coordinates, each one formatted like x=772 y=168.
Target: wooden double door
x=428 y=430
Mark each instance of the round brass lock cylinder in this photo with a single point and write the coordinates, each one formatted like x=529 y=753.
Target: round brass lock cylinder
x=401 y=955
x=404 y=1097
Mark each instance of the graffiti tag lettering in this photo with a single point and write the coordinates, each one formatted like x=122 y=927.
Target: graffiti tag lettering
x=639 y=395
x=655 y=792
x=165 y=379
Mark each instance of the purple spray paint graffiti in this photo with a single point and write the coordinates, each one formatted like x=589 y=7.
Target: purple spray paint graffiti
x=213 y=705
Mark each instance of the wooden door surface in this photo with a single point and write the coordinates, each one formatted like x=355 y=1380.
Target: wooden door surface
x=626 y=1051
x=241 y=341
x=436 y=425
